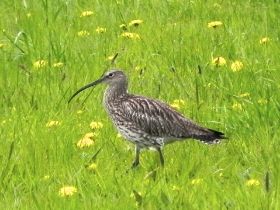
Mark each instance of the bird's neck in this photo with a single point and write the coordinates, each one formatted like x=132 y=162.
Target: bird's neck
x=114 y=91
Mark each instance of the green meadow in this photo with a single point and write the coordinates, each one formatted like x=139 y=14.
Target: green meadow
x=223 y=75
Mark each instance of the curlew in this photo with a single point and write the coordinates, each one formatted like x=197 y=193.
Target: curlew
x=146 y=122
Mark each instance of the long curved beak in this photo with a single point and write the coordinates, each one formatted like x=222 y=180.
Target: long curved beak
x=86 y=87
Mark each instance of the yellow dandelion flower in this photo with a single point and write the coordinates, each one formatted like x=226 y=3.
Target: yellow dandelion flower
x=243 y=95
x=52 y=123
x=252 y=182
x=58 y=65
x=85 y=142
x=90 y=135
x=67 y=191
x=214 y=24
x=175 y=106
x=264 y=40
x=236 y=66
x=123 y=27
x=100 y=30
x=196 y=181
x=96 y=125
x=219 y=61
x=262 y=101
x=80 y=112
x=129 y=35
x=135 y=22
x=86 y=13
x=111 y=57
x=92 y=167
x=237 y=106
x=177 y=103
x=83 y=33
x=40 y=64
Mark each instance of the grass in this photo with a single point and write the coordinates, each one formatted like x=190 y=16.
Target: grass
x=175 y=43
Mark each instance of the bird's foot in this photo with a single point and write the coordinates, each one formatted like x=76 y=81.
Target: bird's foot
x=162 y=163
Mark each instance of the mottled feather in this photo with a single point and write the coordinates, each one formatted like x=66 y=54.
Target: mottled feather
x=147 y=122
x=158 y=120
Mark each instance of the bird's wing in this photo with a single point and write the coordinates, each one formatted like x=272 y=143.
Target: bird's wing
x=156 y=118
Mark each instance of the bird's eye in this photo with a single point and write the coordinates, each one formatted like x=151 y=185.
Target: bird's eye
x=110 y=75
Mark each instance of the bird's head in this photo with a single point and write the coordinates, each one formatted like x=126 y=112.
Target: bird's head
x=111 y=77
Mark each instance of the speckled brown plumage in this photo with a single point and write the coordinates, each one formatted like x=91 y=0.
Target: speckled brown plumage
x=146 y=122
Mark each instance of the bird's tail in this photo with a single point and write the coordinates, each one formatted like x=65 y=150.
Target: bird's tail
x=210 y=136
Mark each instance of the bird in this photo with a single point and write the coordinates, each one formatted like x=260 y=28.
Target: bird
x=147 y=123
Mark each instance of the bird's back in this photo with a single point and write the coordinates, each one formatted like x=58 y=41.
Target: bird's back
x=155 y=119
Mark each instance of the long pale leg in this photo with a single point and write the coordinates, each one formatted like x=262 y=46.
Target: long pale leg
x=137 y=156
x=161 y=156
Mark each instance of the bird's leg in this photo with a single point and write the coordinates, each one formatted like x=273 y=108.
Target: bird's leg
x=161 y=156
x=137 y=155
